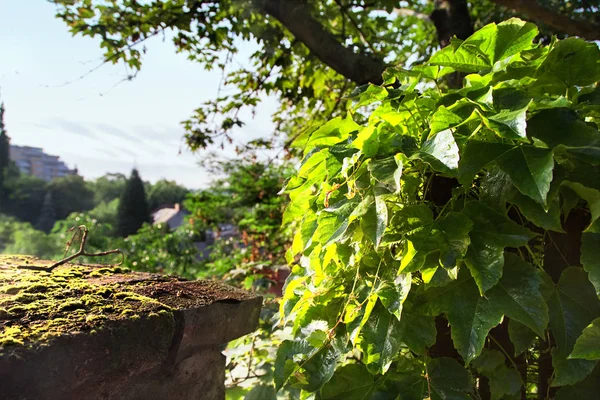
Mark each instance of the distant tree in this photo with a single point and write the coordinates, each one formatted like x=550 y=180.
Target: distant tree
x=4 y=159
x=47 y=215
x=165 y=192
x=70 y=194
x=107 y=187
x=25 y=196
x=133 y=206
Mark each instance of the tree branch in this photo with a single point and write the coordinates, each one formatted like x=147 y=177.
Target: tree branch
x=407 y=12
x=296 y=17
x=536 y=11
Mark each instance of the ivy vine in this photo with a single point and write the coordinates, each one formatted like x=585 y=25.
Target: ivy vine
x=448 y=239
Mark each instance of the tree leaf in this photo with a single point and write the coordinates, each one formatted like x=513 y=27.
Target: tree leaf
x=587 y=345
x=350 y=382
x=366 y=141
x=492 y=232
x=448 y=379
x=472 y=55
x=562 y=126
x=573 y=305
x=318 y=369
x=261 y=392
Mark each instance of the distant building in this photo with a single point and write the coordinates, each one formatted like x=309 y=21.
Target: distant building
x=33 y=161
x=172 y=215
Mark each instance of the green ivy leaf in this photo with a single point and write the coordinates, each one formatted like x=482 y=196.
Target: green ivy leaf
x=443 y=119
x=441 y=152
x=573 y=305
x=472 y=316
x=587 y=345
x=350 y=382
x=448 y=379
x=518 y=294
x=521 y=336
x=284 y=362
x=318 y=369
x=388 y=171
x=367 y=141
x=592 y=198
x=448 y=236
x=332 y=132
x=574 y=62
x=472 y=55
x=417 y=332
x=514 y=36
x=503 y=381
x=492 y=232
x=393 y=293
x=375 y=220
x=530 y=168
x=590 y=257
x=534 y=212
x=512 y=124
x=381 y=340
x=586 y=389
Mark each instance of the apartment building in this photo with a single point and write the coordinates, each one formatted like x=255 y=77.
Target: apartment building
x=33 y=161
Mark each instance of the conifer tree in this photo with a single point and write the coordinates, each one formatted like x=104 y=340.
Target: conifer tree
x=4 y=159
x=47 y=215
x=133 y=206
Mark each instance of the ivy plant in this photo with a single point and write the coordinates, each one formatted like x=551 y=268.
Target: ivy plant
x=447 y=240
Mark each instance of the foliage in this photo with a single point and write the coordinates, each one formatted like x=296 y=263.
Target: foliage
x=450 y=206
x=247 y=199
x=165 y=192
x=307 y=54
x=22 y=238
x=133 y=207
x=153 y=248
x=70 y=194
x=4 y=159
x=26 y=197
x=107 y=187
x=47 y=215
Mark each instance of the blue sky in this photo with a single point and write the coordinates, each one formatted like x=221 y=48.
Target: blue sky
x=96 y=123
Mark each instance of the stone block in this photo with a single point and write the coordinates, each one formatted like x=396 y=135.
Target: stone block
x=96 y=332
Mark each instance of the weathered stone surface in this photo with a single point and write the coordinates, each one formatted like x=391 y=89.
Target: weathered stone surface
x=91 y=332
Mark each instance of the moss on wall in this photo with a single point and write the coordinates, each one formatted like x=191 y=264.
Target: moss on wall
x=37 y=306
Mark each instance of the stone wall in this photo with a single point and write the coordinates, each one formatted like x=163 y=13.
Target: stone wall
x=91 y=332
